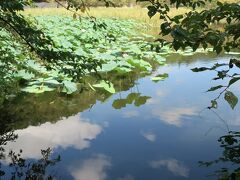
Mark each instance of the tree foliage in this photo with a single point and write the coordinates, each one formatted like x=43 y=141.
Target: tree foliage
x=199 y=26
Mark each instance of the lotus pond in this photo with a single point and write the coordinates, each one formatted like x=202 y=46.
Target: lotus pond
x=142 y=117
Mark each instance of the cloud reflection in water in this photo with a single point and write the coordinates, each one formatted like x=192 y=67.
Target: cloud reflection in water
x=92 y=169
x=130 y=114
x=73 y=132
x=149 y=136
x=173 y=165
x=174 y=116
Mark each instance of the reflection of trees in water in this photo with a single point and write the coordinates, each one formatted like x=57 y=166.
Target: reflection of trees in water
x=50 y=107
x=230 y=143
x=132 y=98
x=231 y=154
x=179 y=60
x=19 y=167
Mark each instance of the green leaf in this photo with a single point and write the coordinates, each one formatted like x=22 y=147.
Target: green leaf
x=161 y=60
x=109 y=66
x=52 y=82
x=214 y=88
x=132 y=97
x=69 y=87
x=199 y=69
x=36 y=89
x=140 y=64
x=214 y=104
x=119 y=103
x=24 y=75
x=159 y=77
x=141 y=100
x=80 y=52
x=106 y=86
x=152 y=10
x=107 y=57
x=231 y=99
x=233 y=80
x=122 y=70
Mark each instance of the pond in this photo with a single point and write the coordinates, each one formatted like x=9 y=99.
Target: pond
x=147 y=131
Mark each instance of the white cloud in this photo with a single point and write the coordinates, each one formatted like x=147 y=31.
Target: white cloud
x=149 y=136
x=173 y=165
x=161 y=93
x=130 y=114
x=92 y=169
x=174 y=115
x=71 y=132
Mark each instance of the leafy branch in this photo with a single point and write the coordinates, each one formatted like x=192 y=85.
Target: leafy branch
x=197 y=28
x=222 y=74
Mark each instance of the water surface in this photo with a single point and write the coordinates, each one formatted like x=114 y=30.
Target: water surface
x=146 y=131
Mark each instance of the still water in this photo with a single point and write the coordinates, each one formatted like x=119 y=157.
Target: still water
x=146 y=131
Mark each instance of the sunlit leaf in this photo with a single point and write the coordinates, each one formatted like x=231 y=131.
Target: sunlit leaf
x=24 y=75
x=69 y=87
x=106 y=86
x=161 y=60
x=52 y=82
x=36 y=89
